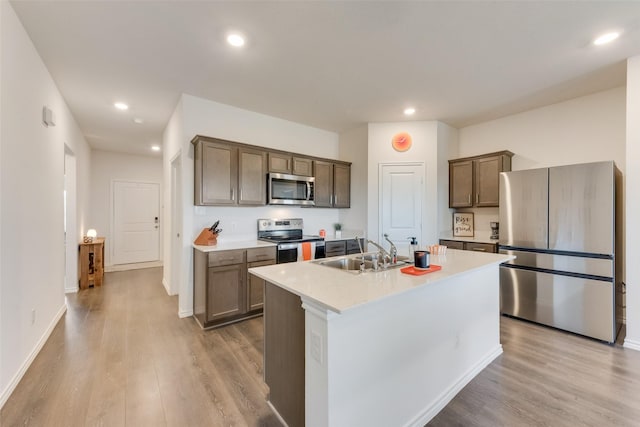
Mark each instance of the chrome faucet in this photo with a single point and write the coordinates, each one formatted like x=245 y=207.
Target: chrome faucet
x=393 y=252
x=383 y=252
x=362 y=263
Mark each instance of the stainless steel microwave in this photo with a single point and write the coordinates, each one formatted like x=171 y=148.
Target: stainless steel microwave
x=286 y=189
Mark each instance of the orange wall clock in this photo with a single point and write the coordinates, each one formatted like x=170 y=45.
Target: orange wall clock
x=401 y=141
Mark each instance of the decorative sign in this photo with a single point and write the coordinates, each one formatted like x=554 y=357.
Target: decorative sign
x=401 y=141
x=463 y=224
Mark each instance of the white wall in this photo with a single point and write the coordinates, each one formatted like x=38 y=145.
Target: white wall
x=353 y=148
x=586 y=129
x=31 y=217
x=632 y=339
x=107 y=167
x=196 y=116
x=428 y=147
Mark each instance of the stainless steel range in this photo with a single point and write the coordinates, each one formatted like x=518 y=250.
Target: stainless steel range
x=287 y=233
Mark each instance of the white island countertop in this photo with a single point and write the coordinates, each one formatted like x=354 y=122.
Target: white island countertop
x=340 y=290
x=230 y=246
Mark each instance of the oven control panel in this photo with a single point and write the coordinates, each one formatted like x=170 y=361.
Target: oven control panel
x=280 y=224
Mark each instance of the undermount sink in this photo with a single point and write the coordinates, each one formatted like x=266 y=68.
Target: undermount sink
x=353 y=263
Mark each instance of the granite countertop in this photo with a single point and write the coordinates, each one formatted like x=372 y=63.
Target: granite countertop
x=339 y=290
x=229 y=246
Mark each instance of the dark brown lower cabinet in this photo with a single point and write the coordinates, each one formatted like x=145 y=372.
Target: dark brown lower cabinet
x=284 y=353
x=223 y=290
x=470 y=246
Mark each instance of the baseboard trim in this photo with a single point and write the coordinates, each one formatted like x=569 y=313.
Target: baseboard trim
x=631 y=344
x=134 y=266
x=166 y=286
x=439 y=403
x=71 y=290
x=185 y=313
x=6 y=393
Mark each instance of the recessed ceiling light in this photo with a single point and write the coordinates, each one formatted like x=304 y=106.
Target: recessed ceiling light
x=235 y=40
x=606 y=38
x=121 y=106
x=138 y=120
x=155 y=147
x=409 y=111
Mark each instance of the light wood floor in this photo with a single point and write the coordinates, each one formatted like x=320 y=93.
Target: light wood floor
x=120 y=357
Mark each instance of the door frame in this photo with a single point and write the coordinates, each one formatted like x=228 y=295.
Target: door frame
x=112 y=227
x=70 y=226
x=175 y=244
x=381 y=166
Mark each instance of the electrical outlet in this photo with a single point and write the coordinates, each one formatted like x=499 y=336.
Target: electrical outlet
x=33 y=316
x=233 y=226
x=316 y=347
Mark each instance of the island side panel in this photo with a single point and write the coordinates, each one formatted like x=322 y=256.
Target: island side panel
x=284 y=366
x=399 y=361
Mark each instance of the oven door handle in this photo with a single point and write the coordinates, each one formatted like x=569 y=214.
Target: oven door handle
x=308 y=190
x=287 y=246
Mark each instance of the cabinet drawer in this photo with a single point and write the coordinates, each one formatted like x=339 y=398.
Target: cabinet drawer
x=217 y=259
x=480 y=247
x=452 y=244
x=261 y=254
x=335 y=248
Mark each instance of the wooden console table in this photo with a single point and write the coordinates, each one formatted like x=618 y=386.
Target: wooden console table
x=91 y=263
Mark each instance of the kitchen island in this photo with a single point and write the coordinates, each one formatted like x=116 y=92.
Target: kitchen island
x=377 y=348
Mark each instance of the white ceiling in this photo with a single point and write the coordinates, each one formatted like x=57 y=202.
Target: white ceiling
x=328 y=64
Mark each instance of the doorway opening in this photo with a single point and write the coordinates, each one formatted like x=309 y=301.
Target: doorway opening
x=70 y=225
x=175 y=241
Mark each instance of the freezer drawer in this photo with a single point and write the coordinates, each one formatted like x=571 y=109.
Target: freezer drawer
x=574 y=304
x=572 y=264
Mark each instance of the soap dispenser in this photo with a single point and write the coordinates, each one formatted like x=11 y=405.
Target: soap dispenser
x=413 y=246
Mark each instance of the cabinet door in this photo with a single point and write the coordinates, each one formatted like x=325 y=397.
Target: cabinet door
x=488 y=181
x=323 y=184
x=302 y=167
x=216 y=177
x=252 y=177
x=460 y=184
x=341 y=186
x=225 y=292
x=279 y=163
x=255 y=287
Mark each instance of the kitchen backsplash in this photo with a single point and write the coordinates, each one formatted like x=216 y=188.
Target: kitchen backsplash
x=482 y=217
x=240 y=224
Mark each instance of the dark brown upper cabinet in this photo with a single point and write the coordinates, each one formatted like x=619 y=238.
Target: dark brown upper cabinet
x=475 y=181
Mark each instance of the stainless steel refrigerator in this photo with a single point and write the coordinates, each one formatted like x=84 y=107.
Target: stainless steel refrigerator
x=560 y=223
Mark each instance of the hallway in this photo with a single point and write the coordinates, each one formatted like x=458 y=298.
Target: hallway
x=121 y=357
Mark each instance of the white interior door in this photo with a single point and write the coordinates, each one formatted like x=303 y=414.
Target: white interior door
x=136 y=221
x=401 y=193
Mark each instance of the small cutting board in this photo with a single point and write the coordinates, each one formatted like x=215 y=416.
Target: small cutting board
x=419 y=272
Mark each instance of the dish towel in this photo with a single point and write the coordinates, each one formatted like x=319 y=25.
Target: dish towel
x=306 y=251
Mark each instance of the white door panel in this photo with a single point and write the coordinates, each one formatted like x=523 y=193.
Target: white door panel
x=136 y=222
x=401 y=204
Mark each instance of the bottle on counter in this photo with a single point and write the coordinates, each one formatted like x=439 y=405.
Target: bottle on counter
x=413 y=246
